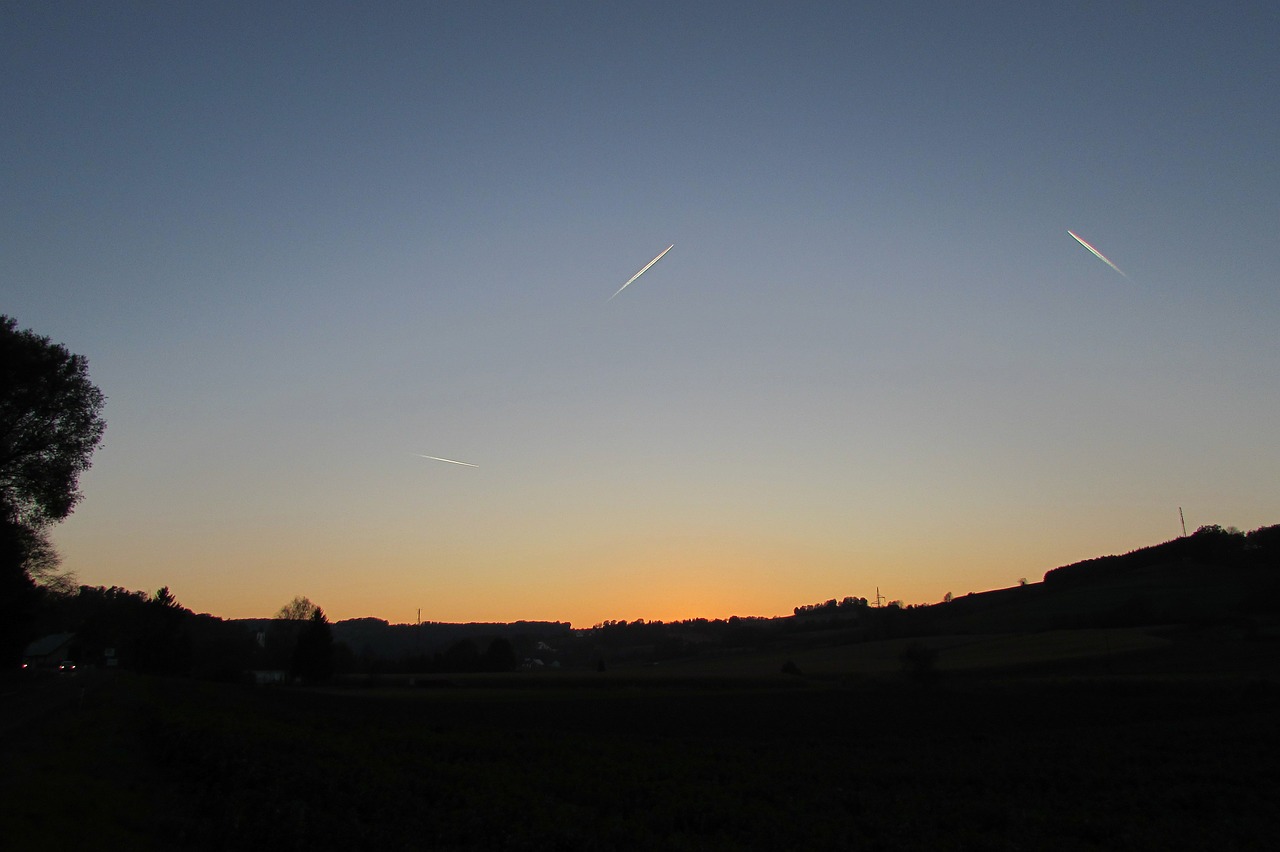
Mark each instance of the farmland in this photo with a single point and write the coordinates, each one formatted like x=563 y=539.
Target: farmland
x=1133 y=739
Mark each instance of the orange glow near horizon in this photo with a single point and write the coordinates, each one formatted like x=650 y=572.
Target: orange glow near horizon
x=684 y=576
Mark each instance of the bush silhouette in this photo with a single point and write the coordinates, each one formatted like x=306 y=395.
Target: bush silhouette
x=920 y=662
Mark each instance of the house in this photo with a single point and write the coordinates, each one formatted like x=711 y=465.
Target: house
x=49 y=651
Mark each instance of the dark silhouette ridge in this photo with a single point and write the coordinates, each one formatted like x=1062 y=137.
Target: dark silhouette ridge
x=1215 y=577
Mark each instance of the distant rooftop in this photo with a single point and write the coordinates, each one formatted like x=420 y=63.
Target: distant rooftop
x=48 y=644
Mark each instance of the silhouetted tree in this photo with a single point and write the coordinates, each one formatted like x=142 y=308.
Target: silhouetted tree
x=920 y=662
x=164 y=644
x=282 y=634
x=298 y=609
x=461 y=656
x=500 y=656
x=107 y=618
x=19 y=594
x=313 y=654
x=220 y=650
x=1264 y=545
x=50 y=424
x=40 y=559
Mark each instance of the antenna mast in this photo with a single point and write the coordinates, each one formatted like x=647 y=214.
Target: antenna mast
x=1184 y=522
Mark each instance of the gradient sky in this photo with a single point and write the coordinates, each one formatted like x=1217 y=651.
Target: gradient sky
x=301 y=243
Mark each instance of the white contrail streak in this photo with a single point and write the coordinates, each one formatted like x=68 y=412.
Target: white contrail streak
x=450 y=461
x=642 y=271
x=1099 y=255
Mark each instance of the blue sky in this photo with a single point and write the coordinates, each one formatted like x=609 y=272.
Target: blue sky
x=301 y=243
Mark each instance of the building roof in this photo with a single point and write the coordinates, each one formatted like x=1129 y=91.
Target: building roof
x=45 y=646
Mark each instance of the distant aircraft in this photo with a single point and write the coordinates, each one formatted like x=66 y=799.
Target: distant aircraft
x=450 y=461
x=642 y=271
x=1099 y=255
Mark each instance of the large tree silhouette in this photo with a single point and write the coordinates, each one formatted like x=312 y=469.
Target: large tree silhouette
x=313 y=654
x=50 y=424
x=298 y=609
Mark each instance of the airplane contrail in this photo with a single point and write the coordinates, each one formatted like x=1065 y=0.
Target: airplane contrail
x=642 y=271
x=450 y=461
x=1099 y=255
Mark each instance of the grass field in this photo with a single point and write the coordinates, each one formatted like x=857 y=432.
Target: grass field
x=960 y=653
x=729 y=756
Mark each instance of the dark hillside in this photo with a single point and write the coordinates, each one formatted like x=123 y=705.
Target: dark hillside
x=1215 y=576
x=1208 y=546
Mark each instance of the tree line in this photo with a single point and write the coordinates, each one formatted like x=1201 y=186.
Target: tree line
x=1211 y=544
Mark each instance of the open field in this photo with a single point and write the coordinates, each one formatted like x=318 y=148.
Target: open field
x=645 y=759
x=1154 y=651
x=959 y=653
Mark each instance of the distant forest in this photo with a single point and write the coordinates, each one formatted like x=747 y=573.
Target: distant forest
x=1216 y=575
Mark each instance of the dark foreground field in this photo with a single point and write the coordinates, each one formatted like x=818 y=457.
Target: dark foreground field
x=611 y=762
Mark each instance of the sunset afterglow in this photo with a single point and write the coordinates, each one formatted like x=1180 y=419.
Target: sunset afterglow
x=305 y=246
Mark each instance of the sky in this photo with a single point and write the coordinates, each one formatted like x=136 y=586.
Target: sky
x=303 y=245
